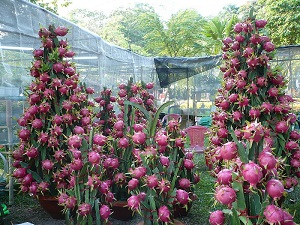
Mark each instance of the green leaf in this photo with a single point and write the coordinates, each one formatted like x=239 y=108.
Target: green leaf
x=87 y=196
x=77 y=191
x=153 y=206
x=56 y=41
x=35 y=176
x=238 y=187
x=67 y=217
x=24 y=165
x=235 y=219
x=173 y=194
x=245 y=220
x=263 y=206
x=141 y=108
x=56 y=105
x=241 y=149
x=255 y=205
x=84 y=145
x=91 y=135
x=69 y=132
x=84 y=170
x=227 y=211
x=175 y=174
x=158 y=112
x=43 y=152
x=97 y=212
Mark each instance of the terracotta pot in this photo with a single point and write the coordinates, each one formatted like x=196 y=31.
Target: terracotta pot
x=50 y=205
x=121 y=211
x=176 y=222
x=280 y=201
x=180 y=211
x=208 y=163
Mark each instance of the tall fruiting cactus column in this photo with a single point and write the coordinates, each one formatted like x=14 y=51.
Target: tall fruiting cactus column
x=59 y=107
x=253 y=147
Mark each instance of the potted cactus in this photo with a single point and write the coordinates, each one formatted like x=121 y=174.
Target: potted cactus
x=162 y=175
x=87 y=194
x=117 y=130
x=252 y=145
x=59 y=109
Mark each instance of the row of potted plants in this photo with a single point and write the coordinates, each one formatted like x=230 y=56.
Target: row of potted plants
x=75 y=147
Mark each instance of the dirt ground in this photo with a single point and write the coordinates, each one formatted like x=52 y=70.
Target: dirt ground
x=29 y=212
x=37 y=216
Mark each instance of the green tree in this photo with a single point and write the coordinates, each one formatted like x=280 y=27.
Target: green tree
x=243 y=12
x=107 y=27
x=90 y=20
x=52 y=5
x=215 y=30
x=180 y=36
x=112 y=31
x=132 y=29
x=283 y=18
x=133 y=32
x=228 y=11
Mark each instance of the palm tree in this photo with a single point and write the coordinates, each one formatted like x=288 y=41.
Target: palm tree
x=215 y=30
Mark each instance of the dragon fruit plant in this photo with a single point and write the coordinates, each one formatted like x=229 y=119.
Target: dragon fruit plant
x=162 y=176
x=106 y=116
x=59 y=153
x=59 y=108
x=119 y=146
x=253 y=147
x=87 y=195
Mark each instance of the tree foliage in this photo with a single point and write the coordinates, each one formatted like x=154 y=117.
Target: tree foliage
x=133 y=28
x=216 y=30
x=283 y=18
x=186 y=33
x=179 y=36
x=91 y=20
x=51 y=5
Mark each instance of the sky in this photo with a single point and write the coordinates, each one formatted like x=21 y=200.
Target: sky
x=164 y=8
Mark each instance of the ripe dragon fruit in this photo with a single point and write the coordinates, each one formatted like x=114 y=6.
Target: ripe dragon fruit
x=244 y=153
x=55 y=148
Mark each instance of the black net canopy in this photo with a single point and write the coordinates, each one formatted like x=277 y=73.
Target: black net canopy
x=170 y=69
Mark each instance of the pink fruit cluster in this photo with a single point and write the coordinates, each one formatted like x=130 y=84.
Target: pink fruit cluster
x=139 y=93
x=106 y=114
x=123 y=131
x=56 y=154
x=54 y=94
x=252 y=136
x=159 y=164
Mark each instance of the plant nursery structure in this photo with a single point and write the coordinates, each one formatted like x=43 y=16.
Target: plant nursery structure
x=188 y=81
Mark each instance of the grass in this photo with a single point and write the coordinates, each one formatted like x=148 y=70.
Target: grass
x=199 y=213
x=205 y=203
x=201 y=208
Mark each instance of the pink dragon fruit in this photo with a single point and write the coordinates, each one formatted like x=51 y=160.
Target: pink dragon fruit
x=252 y=173
x=217 y=218
x=273 y=214
x=275 y=188
x=164 y=214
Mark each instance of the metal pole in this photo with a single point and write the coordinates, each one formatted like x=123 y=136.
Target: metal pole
x=10 y=146
x=188 y=103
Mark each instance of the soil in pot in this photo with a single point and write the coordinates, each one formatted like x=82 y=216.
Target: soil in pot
x=176 y=222
x=121 y=211
x=180 y=211
x=50 y=205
